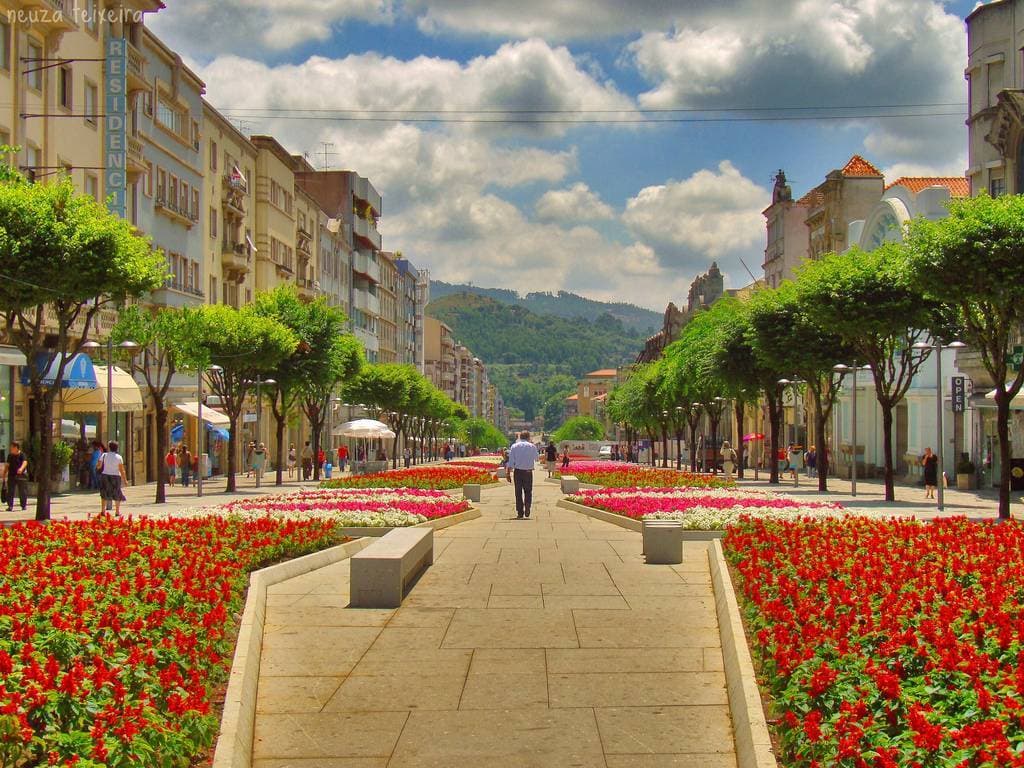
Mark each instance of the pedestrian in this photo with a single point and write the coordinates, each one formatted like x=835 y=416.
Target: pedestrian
x=811 y=459
x=565 y=459
x=94 y=461
x=550 y=457
x=522 y=458
x=259 y=461
x=16 y=476
x=504 y=459
x=172 y=465
x=447 y=452
x=249 y=449
x=407 y=457
x=307 y=461
x=796 y=458
x=342 y=457
x=728 y=459
x=112 y=479
x=291 y=461
x=930 y=464
x=185 y=465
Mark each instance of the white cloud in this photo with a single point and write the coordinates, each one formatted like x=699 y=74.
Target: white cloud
x=709 y=215
x=204 y=28
x=577 y=203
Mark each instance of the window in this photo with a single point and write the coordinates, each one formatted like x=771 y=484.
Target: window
x=5 y=46
x=195 y=135
x=147 y=188
x=213 y=156
x=213 y=223
x=33 y=159
x=147 y=103
x=194 y=212
x=995 y=82
x=213 y=288
x=169 y=116
x=91 y=16
x=183 y=200
x=92 y=100
x=161 y=185
x=288 y=202
x=33 y=73
x=92 y=185
x=65 y=83
x=172 y=190
x=997 y=186
x=275 y=193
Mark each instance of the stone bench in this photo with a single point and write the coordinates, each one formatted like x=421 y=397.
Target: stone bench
x=471 y=492
x=570 y=484
x=502 y=473
x=663 y=542
x=381 y=572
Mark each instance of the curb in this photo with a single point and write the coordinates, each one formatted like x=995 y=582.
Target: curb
x=750 y=728
x=442 y=522
x=633 y=525
x=238 y=721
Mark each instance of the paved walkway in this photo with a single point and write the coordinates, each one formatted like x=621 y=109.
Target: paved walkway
x=542 y=642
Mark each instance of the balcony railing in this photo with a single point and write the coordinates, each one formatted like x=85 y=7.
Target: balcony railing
x=136 y=69
x=176 y=211
x=367 y=231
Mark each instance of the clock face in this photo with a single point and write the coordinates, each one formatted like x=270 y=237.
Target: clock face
x=887 y=230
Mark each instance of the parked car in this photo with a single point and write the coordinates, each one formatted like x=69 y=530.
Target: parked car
x=604 y=453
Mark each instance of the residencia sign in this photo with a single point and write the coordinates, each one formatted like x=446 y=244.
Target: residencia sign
x=115 y=128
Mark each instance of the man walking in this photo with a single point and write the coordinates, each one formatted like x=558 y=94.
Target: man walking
x=307 y=461
x=16 y=476
x=522 y=458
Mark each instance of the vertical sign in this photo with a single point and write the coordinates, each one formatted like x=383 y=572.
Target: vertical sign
x=958 y=391
x=115 y=138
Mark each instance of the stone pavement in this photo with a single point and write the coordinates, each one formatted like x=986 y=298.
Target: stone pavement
x=541 y=642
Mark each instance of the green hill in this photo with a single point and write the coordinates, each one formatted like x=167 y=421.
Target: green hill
x=533 y=358
x=561 y=304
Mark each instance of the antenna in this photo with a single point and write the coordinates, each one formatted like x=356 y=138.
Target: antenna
x=327 y=151
x=748 y=270
x=243 y=127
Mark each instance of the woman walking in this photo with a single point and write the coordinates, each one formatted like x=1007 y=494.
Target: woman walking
x=291 y=461
x=172 y=465
x=112 y=477
x=259 y=461
x=930 y=463
x=550 y=458
x=185 y=465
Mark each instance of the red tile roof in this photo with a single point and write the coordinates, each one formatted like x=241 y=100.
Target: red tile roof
x=858 y=166
x=604 y=373
x=812 y=199
x=958 y=186
x=573 y=397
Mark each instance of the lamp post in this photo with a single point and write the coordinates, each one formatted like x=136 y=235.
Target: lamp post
x=842 y=370
x=936 y=346
x=259 y=382
x=202 y=427
x=127 y=346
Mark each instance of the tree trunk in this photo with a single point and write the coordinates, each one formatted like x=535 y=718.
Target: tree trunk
x=693 y=446
x=316 y=425
x=664 y=446
x=161 y=449
x=280 y=423
x=714 y=442
x=1003 y=429
x=44 y=403
x=739 y=409
x=653 y=437
x=232 y=453
x=774 y=415
x=890 y=486
x=821 y=456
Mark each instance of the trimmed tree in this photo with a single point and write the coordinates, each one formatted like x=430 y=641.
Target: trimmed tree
x=973 y=261
x=579 y=428
x=344 y=360
x=243 y=344
x=875 y=305
x=65 y=257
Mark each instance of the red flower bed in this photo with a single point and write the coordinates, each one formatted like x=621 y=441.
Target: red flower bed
x=612 y=474
x=115 y=634
x=889 y=643
x=433 y=478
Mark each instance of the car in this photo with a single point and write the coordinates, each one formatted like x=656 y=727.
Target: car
x=605 y=453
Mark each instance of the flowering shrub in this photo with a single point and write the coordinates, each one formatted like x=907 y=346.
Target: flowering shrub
x=477 y=463
x=699 y=509
x=437 y=478
x=889 y=642
x=356 y=507
x=619 y=474
x=115 y=634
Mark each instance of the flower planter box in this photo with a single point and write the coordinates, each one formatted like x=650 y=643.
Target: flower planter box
x=966 y=482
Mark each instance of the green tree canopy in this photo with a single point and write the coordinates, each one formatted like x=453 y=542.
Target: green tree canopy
x=579 y=428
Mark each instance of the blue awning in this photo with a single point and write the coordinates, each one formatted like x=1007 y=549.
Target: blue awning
x=178 y=432
x=79 y=372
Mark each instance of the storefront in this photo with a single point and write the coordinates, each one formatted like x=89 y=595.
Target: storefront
x=10 y=359
x=987 y=439
x=185 y=430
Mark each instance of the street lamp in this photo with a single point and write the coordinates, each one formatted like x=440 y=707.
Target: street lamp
x=937 y=347
x=202 y=427
x=130 y=347
x=259 y=381
x=842 y=370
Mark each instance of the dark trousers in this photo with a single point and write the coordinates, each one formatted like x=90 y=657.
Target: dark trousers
x=523 y=479
x=307 y=469
x=19 y=483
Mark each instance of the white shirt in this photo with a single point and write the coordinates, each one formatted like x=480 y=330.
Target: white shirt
x=111 y=463
x=522 y=455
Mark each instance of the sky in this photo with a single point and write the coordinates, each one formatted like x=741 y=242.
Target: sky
x=570 y=184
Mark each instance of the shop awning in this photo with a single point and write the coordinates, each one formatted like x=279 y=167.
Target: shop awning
x=1016 y=402
x=210 y=415
x=79 y=372
x=11 y=356
x=220 y=433
x=125 y=397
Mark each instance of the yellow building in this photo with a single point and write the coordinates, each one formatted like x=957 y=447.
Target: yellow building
x=390 y=319
x=275 y=215
x=229 y=220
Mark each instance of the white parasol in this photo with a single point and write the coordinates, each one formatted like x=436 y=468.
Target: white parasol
x=368 y=428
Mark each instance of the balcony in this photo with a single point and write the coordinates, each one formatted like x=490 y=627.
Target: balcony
x=235 y=190
x=136 y=160
x=173 y=211
x=235 y=259
x=49 y=15
x=367 y=302
x=285 y=265
x=308 y=288
x=367 y=339
x=366 y=231
x=365 y=266
x=136 y=70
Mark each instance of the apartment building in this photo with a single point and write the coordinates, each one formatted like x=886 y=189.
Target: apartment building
x=847 y=194
x=439 y=356
x=335 y=262
x=410 y=314
x=390 y=320
x=787 y=243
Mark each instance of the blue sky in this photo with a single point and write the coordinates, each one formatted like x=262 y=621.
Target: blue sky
x=611 y=211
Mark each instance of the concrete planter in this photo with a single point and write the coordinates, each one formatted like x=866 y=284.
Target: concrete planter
x=437 y=525
x=633 y=525
x=966 y=482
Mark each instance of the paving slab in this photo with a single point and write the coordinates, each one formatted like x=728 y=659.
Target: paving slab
x=534 y=643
